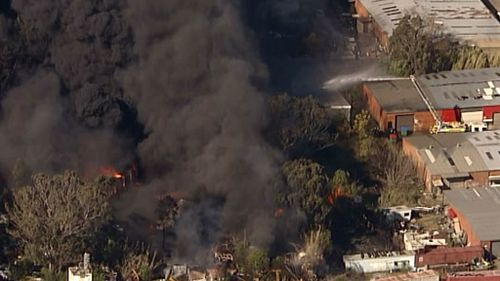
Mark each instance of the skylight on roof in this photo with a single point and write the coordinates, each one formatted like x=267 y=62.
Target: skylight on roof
x=430 y=156
x=489 y=155
x=467 y=159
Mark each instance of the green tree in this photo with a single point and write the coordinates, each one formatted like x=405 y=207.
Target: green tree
x=257 y=260
x=471 y=58
x=300 y=125
x=365 y=141
x=400 y=183
x=306 y=189
x=53 y=215
x=417 y=47
x=341 y=181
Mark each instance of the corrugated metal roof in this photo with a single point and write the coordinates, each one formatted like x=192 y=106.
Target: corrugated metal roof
x=409 y=276
x=449 y=89
x=468 y=20
x=445 y=90
x=488 y=146
x=481 y=208
x=453 y=154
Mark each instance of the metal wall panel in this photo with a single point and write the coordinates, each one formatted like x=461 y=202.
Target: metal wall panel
x=405 y=121
x=472 y=117
x=495 y=248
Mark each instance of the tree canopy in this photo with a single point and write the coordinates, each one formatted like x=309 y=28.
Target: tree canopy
x=52 y=217
x=417 y=47
x=398 y=176
x=300 y=124
x=307 y=189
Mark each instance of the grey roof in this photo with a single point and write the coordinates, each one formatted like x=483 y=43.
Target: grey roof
x=452 y=155
x=488 y=146
x=397 y=96
x=460 y=88
x=481 y=208
x=469 y=20
x=334 y=100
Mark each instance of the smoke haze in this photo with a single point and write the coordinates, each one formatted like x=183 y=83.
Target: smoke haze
x=194 y=86
x=177 y=83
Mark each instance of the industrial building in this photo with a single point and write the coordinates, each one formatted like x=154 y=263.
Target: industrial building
x=487 y=275
x=470 y=97
x=339 y=106
x=380 y=262
x=456 y=160
x=477 y=210
x=426 y=275
x=469 y=21
x=444 y=256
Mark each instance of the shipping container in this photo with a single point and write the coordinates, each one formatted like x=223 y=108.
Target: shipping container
x=448 y=256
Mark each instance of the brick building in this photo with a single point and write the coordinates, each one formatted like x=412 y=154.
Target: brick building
x=456 y=160
x=469 y=21
x=469 y=96
x=478 y=211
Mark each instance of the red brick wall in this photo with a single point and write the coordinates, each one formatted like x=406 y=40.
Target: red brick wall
x=480 y=177
x=373 y=106
x=422 y=171
x=424 y=121
x=382 y=36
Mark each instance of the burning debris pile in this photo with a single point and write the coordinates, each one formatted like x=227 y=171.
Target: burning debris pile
x=195 y=89
x=176 y=85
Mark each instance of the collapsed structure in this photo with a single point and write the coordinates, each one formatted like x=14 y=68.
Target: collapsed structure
x=467 y=97
x=469 y=21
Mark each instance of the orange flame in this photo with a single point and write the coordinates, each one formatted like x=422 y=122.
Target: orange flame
x=336 y=193
x=278 y=212
x=110 y=172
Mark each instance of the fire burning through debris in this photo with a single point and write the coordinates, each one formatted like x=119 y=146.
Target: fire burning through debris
x=111 y=172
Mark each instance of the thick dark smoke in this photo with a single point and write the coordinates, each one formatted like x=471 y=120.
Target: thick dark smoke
x=77 y=76
x=194 y=86
x=85 y=42
x=62 y=107
x=35 y=128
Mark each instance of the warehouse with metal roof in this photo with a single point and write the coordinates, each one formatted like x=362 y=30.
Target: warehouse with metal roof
x=470 y=21
x=468 y=96
x=478 y=210
x=457 y=160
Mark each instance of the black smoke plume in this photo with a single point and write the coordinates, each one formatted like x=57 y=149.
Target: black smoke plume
x=82 y=81
x=62 y=107
x=195 y=88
